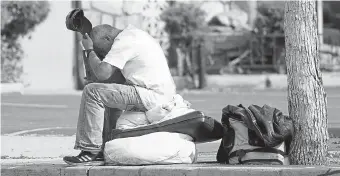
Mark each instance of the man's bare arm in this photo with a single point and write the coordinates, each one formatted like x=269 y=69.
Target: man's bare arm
x=102 y=70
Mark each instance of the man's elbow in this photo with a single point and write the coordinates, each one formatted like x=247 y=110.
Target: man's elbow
x=103 y=74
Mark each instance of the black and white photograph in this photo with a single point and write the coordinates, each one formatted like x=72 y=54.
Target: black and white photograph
x=170 y=88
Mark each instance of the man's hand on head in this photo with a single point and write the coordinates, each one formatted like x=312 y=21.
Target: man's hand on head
x=102 y=71
x=87 y=42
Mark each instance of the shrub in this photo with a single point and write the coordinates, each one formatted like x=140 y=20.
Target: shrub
x=18 y=18
x=270 y=19
x=182 y=20
x=269 y=25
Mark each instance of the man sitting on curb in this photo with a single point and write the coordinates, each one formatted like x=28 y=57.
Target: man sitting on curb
x=148 y=84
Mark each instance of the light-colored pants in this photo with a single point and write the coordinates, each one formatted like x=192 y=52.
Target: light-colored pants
x=96 y=99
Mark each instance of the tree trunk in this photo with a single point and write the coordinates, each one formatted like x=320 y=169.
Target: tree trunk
x=252 y=5
x=202 y=68
x=306 y=96
x=180 y=59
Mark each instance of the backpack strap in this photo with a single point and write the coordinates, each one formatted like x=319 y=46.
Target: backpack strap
x=241 y=153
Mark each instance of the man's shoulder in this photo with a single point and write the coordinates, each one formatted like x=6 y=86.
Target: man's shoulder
x=132 y=30
x=138 y=33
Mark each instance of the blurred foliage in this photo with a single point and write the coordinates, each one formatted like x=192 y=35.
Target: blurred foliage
x=331 y=14
x=271 y=16
x=11 y=54
x=182 y=20
x=331 y=36
x=18 y=18
x=331 y=19
x=270 y=19
x=269 y=24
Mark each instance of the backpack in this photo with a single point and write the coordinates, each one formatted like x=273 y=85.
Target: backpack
x=254 y=135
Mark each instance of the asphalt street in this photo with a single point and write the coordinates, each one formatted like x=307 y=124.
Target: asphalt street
x=57 y=114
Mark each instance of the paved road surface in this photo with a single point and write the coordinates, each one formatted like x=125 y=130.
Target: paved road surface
x=57 y=114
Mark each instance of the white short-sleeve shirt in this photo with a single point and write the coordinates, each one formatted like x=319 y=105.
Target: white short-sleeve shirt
x=143 y=63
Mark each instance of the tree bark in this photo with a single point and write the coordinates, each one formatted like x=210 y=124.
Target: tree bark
x=306 y=96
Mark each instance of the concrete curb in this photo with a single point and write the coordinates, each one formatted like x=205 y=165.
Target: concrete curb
x=167 y=170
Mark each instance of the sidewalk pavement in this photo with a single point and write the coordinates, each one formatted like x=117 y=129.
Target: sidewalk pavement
x=56 y=168
x=42 y=155
x=36 y=157
x=49 y=147
x=278 y=81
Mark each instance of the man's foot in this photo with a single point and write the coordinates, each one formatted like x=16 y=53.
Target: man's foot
x=85 y=158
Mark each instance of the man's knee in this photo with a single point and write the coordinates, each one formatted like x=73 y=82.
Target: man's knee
x=95 y=89
x=91 y=88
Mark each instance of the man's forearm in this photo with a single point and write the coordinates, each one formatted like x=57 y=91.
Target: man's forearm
x=94 y=63
x=90 y=77
x=102 y=70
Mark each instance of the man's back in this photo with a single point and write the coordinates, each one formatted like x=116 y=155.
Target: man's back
x=142 y=61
